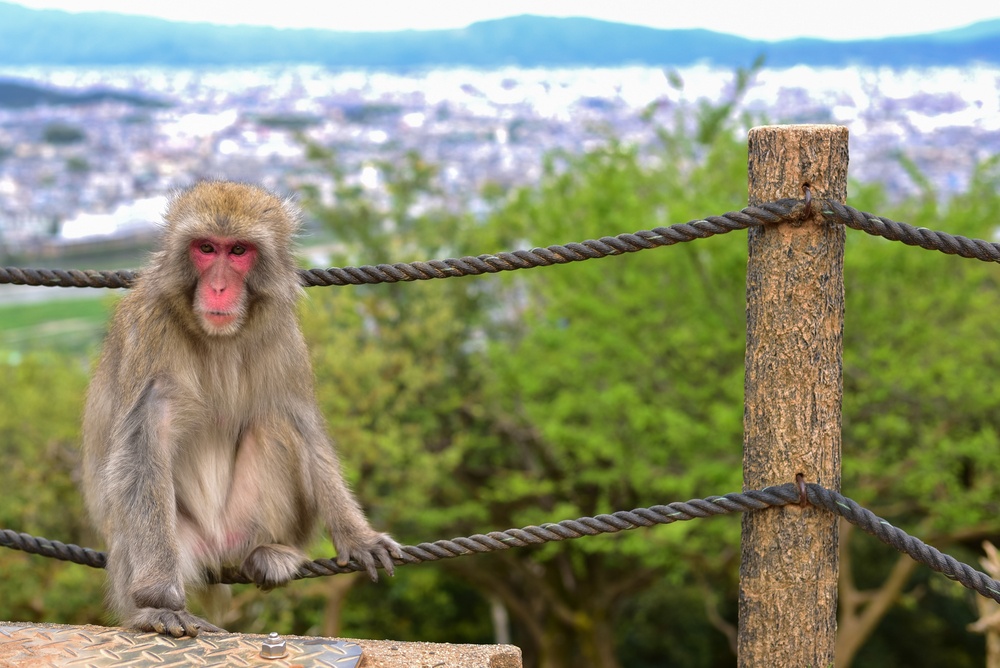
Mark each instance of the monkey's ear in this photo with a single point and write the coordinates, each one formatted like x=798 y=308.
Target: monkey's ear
x=293 y=213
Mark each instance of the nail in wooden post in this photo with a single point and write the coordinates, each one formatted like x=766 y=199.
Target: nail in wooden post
x=794 y=363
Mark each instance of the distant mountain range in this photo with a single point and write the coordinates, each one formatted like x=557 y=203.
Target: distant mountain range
x=23 y=94
x=51 y=37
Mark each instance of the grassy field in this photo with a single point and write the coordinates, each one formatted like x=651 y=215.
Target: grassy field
x=19 y=316
x=73 y=325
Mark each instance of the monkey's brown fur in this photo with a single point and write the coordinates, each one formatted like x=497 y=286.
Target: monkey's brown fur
x=203 y=449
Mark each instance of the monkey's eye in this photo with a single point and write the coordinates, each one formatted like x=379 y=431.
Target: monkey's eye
x=238 y=250
x=206 y=248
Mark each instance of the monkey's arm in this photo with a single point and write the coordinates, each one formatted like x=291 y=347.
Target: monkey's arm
x=146 y=586
x=352 y=535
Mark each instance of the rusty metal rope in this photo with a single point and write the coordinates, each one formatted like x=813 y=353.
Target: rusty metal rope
x=768 y=213
x=781 y=495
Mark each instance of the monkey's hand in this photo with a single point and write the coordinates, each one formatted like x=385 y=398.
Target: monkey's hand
x=177 y=623
x=376 y=549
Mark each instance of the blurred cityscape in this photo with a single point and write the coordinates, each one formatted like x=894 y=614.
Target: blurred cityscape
x=75 y=173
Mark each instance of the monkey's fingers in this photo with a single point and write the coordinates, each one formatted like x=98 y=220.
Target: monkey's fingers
x=364 y=559
x=385 y=558
x=176 y=623
x=378 y=550
x=208 y=627
x=385 y=551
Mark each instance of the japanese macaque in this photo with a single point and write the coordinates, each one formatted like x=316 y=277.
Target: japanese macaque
x=203 y=443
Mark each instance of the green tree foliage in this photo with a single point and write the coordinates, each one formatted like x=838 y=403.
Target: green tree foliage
x=478 y=404
x=41 y=398
x=488 y=403
x=624 y=378
x=921 y=424
x=492 y=402
x=921 y=444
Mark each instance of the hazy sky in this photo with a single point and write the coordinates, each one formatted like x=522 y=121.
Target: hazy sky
x=765 y=19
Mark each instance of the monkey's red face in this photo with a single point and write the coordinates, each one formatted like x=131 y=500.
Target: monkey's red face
x=222 y=265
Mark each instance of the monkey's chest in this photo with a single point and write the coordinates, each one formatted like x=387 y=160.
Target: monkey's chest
x=234 y=490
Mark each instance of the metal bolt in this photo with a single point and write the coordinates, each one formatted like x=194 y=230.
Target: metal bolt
x=273 y=647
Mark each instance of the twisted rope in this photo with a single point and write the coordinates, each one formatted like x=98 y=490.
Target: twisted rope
x=52 y=548
x=785 y=210
x=464 y=266
x=496 y=541
x=922 y=237
x=920 y=552
x=68 y=278
x=770 y=497
x=544 y=257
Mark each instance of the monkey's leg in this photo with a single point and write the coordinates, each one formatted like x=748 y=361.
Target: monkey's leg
x=272 y=565
x=144 y=573
x=154 y=605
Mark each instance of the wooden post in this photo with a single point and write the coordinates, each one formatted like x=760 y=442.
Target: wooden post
x=795 y=316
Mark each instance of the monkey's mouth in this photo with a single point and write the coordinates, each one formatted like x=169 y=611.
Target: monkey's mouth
x=220 y=319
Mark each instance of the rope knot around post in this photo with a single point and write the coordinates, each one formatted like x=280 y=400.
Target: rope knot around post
x=800 y=482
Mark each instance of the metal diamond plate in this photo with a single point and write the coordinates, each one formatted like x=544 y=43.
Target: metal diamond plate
x=84 y=646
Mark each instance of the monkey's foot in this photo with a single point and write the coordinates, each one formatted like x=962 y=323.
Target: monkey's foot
x=272 y=565
x=176 y=623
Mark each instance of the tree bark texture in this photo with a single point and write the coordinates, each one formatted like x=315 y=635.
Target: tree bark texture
x=792 y=410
